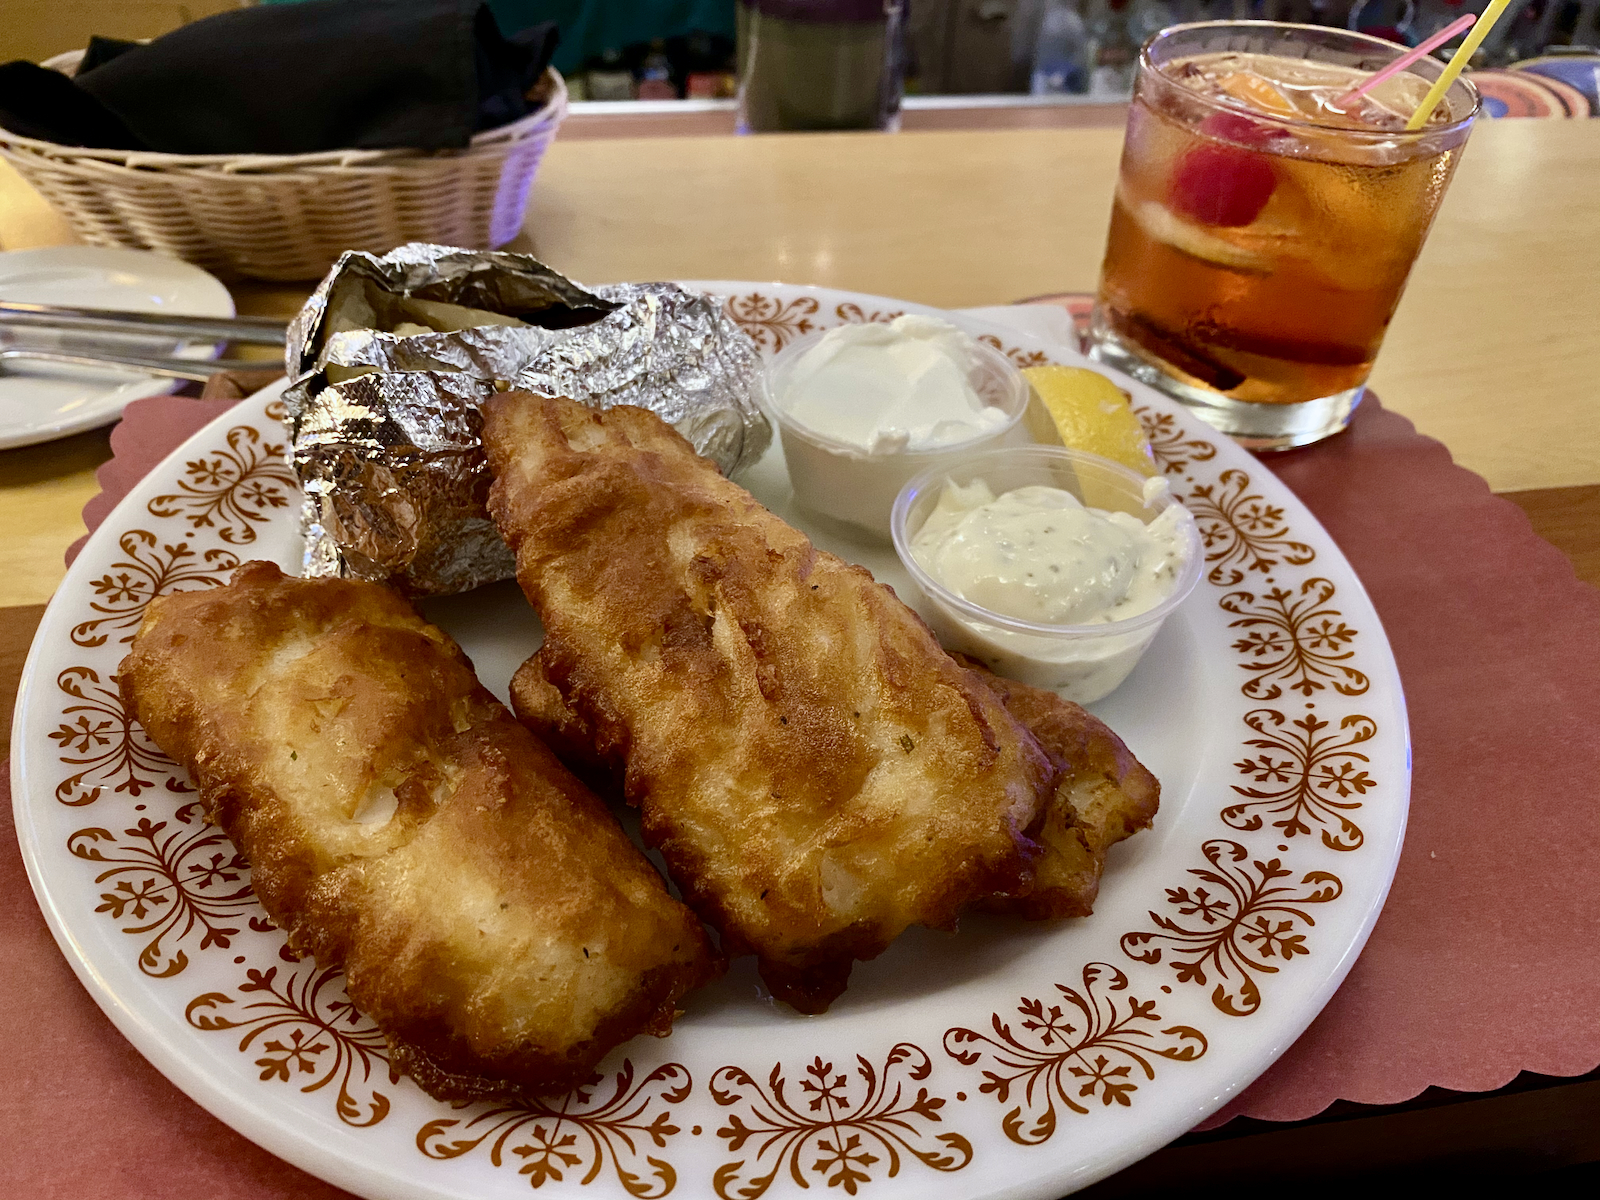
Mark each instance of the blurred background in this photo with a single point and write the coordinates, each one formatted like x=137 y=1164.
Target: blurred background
x=687 y=52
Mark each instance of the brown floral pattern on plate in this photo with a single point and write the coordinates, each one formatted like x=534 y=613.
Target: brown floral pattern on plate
x=1173 y=448
x=844 y=1132
x=231 y=490
x=1079 y=1052
x=148 y=569
x=1299 y=640
x=1234 y=931
x=99 y=735
x=170 y=881
x=1311 y=784
x=1239 y=528
x=1021 y=358
x=853 y=314
x=305 y=1025
x=581 y=1131
x=773 y=323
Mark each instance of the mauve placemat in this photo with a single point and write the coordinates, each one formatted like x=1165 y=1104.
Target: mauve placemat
x=1485 y=962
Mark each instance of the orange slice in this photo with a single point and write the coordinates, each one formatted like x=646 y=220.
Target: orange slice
x=1258 y=94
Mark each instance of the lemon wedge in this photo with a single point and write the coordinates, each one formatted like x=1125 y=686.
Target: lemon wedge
x=1086 y=411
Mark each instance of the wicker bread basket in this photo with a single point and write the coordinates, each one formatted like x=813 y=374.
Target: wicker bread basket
x=281 y=216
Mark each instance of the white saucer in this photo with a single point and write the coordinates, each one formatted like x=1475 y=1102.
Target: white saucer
x=42 y=402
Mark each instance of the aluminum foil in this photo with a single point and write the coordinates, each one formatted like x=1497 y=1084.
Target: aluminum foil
x=672 y=351
x=396 y=482
x=392 y=358
x=350 y=320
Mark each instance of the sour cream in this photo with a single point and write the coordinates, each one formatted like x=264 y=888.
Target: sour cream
x=903 y=387
x=863 y=408
x=1037 y=554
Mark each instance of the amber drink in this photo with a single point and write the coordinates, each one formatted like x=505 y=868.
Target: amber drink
x=1263 y=229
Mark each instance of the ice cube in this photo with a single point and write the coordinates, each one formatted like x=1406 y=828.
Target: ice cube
x=1301 y=90
x=1391 y=103
x=1353 y=227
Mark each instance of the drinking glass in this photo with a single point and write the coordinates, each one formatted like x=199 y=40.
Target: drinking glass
x=1262 y=235
x=820 y=64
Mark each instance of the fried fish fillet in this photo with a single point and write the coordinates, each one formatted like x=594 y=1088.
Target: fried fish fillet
x=1100 y=793
x=490 y=914
x=817 y=772
x=540 y=706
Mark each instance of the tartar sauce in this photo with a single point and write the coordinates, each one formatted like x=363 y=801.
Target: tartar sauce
x=1037 y=554
x=890 y=388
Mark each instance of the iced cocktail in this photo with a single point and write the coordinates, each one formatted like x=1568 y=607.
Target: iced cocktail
x=1263 y=229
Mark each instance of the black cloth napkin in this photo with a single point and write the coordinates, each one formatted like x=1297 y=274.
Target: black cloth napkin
x=290 y=79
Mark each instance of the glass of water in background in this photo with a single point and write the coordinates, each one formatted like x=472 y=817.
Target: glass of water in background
x=820 y=64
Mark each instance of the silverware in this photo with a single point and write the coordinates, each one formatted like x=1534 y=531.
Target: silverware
x=200 y=369
x=265 y=331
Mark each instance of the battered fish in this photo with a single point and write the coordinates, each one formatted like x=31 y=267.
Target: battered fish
x=1100 y=794
x=491 y=916
x=818 y=773
x=540 y=706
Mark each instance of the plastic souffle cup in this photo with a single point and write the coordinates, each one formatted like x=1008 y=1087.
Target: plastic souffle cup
x=1082 y=663
x=849 y=484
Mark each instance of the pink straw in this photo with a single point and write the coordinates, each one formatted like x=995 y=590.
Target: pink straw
x=1459 y=25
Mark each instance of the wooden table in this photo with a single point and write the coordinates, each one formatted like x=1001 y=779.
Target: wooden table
x=1494 y=352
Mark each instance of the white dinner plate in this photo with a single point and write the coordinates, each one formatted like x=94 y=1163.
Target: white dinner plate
x=38 y=401
x=1009 y=1060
